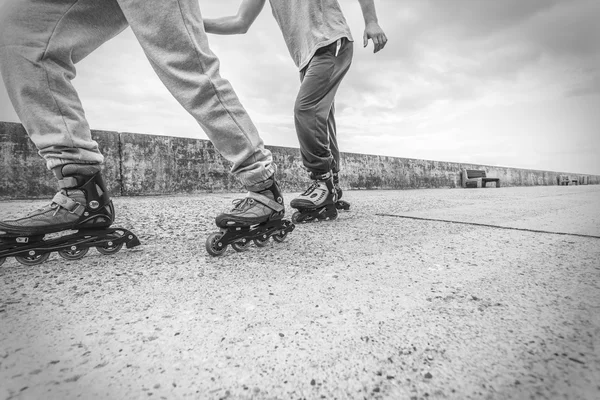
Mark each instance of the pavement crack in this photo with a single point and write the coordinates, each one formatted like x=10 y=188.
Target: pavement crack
x=488 y=225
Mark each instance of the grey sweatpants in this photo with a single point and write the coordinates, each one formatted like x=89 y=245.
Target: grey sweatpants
x=314 y=111
x=42 y=40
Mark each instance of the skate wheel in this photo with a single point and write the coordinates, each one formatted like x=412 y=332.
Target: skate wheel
x=330 y=217
x=330 y=213
x=262 y=241
x=73 y=253
x=109 y=249
x=214 y=246
x=342 y=205
x=241 y=246
x=33 y=260
x=280 y=237
x=296 y=217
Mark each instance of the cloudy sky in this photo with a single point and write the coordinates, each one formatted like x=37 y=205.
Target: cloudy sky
x=498 y=82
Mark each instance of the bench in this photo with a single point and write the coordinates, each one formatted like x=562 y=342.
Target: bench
x=567 y=180
x=475 y=178
x=563 y=180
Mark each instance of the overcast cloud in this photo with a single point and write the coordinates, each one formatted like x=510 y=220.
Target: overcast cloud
x=507 y=82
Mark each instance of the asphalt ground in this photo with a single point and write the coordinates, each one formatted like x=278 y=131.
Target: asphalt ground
x=419 y=294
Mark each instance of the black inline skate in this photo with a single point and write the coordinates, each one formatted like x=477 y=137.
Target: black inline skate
x=318 y=202
x=255 y=218
x=81 y=205
x=339 y=204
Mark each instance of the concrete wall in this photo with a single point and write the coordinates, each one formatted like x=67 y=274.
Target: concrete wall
x=138 y=164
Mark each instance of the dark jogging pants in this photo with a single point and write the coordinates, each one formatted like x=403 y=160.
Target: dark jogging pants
x=314 y=109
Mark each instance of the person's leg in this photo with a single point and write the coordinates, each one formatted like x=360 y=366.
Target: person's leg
x=315 y=126
x=314 y=106
x=171 y=32
x=333 y=144
x=172 y=35
x=335 y=153
x=40 y=41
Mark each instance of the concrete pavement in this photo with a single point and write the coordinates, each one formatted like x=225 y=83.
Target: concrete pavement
x=403 y=297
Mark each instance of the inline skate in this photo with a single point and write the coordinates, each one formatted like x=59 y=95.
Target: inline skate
x=255 y=218
x=318 y=202
x=339 y=204
x=82 y=205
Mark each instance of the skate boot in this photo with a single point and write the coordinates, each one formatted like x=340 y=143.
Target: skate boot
x=339 y=204
x=254 y=218
x=81 y=205
x=317 y=202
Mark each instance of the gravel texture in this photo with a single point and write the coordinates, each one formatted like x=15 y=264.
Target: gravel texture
x=372 y=305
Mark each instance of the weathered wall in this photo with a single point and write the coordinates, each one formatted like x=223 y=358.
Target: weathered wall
x=138 y=164
x=23 y=174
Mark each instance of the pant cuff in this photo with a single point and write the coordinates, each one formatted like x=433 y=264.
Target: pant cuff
x=255 y=180
x=52 y=163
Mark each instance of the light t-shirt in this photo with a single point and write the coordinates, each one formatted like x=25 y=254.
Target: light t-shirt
x=308 y=25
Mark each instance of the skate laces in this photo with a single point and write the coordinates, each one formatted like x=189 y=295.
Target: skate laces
x=313 y=186
x=50 y=206
x=53 y=205
x=256 y=199
x=240 y=204
x=45 y=208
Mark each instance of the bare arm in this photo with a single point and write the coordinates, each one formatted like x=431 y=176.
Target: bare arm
x=237 y=24
x=372 y=29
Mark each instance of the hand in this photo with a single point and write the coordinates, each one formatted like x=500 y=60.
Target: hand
x=374 y=32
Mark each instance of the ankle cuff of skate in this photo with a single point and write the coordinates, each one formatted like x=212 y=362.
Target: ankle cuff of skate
x=321 y=177
x=68 y=183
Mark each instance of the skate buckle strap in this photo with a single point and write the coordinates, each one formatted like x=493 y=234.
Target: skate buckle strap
x=68 y=204
x=272 y=204
x=67 y=182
